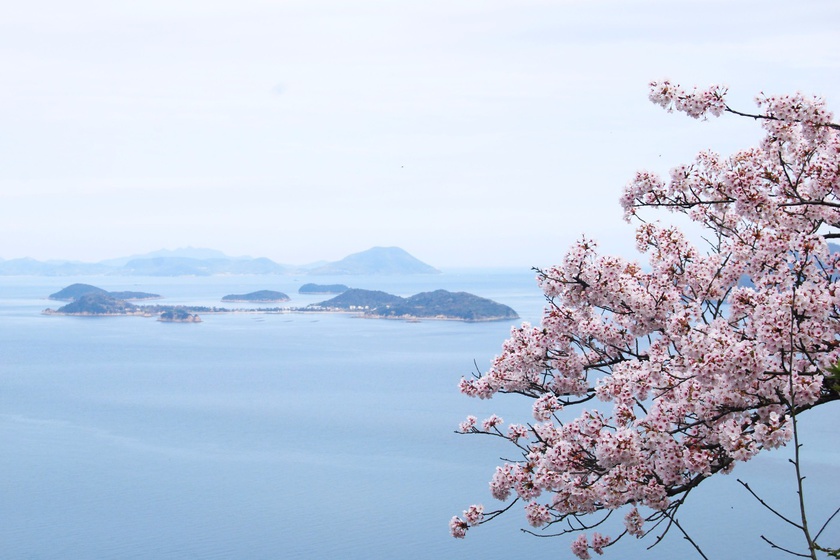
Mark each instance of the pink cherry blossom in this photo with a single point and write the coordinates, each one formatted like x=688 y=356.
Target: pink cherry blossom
x=458 y=527
x=489 y=423
x=474 y=514
x=599 y=541
x=580 y=547
x=647 y=377
x=537 y=514
x=468 y=425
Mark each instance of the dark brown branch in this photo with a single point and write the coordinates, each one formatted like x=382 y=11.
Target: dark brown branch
x=771 y=118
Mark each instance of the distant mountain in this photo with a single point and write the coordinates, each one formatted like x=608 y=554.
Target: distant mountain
x=183 y=266
x=207 y=262
x=31 y=267
x=183 y=252
x=378 y=260
x=310 y=266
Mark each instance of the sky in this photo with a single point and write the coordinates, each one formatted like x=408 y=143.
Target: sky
x=470 y=133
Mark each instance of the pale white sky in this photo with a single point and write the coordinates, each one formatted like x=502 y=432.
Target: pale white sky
x=479 y=133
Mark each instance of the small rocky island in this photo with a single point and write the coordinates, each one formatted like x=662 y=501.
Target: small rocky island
x=262 y=296
x=440 y=304
x=97 y=303
x=322 y=289
x=179 y=316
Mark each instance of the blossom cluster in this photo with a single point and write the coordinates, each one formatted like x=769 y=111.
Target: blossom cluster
x=694 y=361
x=696 y=103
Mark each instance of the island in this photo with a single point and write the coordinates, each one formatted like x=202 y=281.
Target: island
x=356 y=299
x=322 y=289
x=96 y=303
x=179 y=316
x=75 y=291
x=261 y=296
x=439 y=304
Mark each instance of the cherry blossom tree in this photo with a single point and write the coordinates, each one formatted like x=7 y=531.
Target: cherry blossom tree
x=684 y=367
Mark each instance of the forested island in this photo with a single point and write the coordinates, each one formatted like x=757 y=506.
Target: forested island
x=98 y=303
x=179 y=316
x=439 y=304
x=261 y=296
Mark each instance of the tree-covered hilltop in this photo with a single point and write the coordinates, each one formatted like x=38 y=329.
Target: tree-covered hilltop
x=261 y=296
x=75 y=291
x=136 y=296
x=358 y=299
x=447 y=305
x=99 y=304
x=323 y=289
x=440 y=304
x=94 y=304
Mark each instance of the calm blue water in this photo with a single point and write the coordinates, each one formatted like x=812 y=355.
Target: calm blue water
x=286 y=436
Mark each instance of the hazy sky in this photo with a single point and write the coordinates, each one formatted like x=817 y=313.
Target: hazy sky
x=468 y=132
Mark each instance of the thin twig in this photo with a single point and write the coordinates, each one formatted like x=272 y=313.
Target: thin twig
x=766 y=505
x=826 y=523
x=689 y=539
x=777 y=547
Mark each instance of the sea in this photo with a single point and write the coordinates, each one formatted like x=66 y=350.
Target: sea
x=310 y=436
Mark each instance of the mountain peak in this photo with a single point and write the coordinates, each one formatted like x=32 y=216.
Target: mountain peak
x=377 y=260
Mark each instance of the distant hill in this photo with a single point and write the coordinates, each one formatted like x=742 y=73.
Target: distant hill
x=450 y=305
x=89 y=300
x=75 y=291
x=322 y=289
x=439 y=304
x=183 y=266
x=355 y=298
x=31 y=267
x=208 y=262
x=378 y=260
x=183 y=252
x=261 y=296
x=98 y=304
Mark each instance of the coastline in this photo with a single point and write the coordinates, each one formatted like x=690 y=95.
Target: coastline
x=283 y=311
